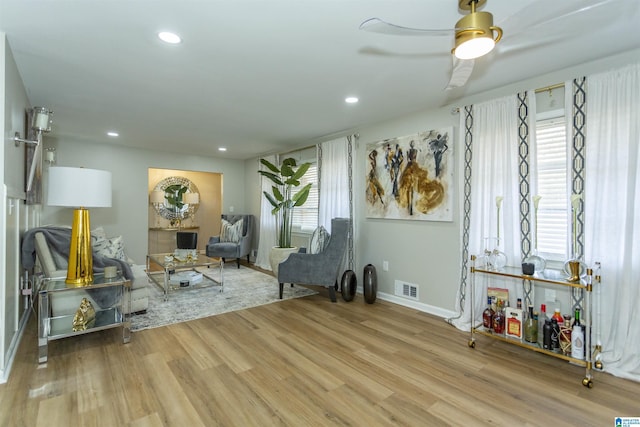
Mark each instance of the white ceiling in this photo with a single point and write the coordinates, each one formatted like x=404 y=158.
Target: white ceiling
x=259 y=76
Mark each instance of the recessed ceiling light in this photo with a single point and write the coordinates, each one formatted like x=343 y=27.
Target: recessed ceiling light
x=168 y=37
x=114 y=134
x=222 y=149
x=351 y=100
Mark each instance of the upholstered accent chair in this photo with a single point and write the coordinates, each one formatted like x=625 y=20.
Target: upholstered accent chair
x=319 y=269
x=232 y=243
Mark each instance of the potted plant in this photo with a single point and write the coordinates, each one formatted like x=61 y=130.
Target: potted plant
x=173 y=195
x=285 y=179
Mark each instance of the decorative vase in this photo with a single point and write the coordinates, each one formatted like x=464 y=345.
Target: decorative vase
x=370 y=284
x=575 y=269
x=277 y=255
x=494 y=258
x=348 y=285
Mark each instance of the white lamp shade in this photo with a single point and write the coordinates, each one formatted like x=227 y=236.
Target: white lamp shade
x=192 y=198
x=79 y=187
x=156 y=196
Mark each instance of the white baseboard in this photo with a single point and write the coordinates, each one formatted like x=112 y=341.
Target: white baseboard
x=13 y=347
x=431 y=309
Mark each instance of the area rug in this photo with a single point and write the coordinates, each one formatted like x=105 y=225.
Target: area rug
x=243 y=288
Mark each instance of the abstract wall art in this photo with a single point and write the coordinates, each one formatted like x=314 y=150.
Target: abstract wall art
x=411 y=177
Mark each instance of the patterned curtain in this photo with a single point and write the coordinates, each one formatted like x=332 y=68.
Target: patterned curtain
x=491 y=199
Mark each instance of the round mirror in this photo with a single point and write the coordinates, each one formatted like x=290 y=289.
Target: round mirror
x=180 y=198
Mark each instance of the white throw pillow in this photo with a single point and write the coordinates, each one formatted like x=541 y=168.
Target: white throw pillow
x=231 y=232
x=319 y=240
x=111 y=248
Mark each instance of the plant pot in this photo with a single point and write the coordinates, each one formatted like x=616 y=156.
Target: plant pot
x=277 y=255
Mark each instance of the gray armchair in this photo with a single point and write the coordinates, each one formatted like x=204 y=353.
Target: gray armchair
x=218 y=249
x=317 y=269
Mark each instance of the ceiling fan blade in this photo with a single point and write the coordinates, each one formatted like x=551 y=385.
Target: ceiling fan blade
x=462 y=69
x=376 y=51
x=376 y=25
x=537 y=14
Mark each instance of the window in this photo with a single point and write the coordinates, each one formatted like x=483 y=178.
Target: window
x=305 y=217
x=552 y=186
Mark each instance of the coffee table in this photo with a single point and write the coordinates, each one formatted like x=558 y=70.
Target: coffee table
x=160 y=268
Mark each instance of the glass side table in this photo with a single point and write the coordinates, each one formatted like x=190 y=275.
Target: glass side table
x=117 y=289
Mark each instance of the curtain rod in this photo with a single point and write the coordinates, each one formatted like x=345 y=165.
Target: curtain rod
x=549 y=88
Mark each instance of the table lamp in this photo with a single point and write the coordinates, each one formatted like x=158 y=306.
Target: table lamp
x=79 y=188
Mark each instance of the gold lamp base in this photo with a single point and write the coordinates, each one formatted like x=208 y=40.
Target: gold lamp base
x=80 y=269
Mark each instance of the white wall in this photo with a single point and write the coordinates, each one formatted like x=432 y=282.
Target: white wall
x=128 y=215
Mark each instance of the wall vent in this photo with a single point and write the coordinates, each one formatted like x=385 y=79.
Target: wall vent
x=406 y=290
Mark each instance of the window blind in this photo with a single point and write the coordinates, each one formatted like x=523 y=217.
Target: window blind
x=552 y=186
x=305 y=217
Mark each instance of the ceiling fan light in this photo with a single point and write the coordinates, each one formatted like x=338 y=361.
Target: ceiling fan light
x=475 y=35
x=474 y=48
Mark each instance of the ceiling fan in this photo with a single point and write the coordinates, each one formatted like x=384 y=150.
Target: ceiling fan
x=474 y=37
x=475 y=34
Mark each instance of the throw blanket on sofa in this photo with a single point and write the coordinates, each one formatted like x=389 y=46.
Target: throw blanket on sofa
x=58 y=239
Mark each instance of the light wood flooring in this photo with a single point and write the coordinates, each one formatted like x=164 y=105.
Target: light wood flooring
x=304 y=362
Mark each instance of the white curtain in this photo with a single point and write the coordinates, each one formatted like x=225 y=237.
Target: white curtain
x=494 y=174
x=612 y=213
x=268 y=237
x=334 y=185
x=334 y=182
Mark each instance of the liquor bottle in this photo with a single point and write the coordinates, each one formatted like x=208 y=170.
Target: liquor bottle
x=531 y=327
x=577 y=338
x=487 y=315
x=577 y=342
x=519 y=304
x=555 y=335
x=558 y=316
x=541 y=319
x=498 y=318
x=546 y=342
x=514 y=323
x=576 y=318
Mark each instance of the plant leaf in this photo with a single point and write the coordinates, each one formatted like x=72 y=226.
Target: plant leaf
x=301 y=171
x=269 y=165
x=301 y=196
x=273 y=177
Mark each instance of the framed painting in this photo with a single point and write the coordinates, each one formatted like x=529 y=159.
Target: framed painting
x=411 y=177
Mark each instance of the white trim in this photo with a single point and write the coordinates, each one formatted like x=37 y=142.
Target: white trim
x=13 y=347
x=431 y=309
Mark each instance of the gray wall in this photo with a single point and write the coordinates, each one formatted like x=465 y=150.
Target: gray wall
x=128 y=215
x=427 y=254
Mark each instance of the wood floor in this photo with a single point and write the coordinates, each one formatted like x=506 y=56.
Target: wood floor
x=304 y=362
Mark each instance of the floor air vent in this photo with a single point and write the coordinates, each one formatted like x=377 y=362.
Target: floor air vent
x=406 y=290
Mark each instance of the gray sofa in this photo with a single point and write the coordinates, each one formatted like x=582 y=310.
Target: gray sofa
x=54 y=266
x=218 y=249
